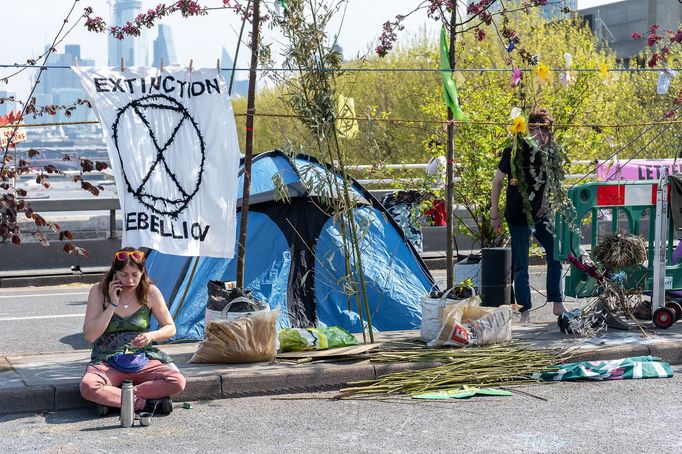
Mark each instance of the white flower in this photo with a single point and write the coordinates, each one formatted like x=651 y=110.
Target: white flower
x=569 y=59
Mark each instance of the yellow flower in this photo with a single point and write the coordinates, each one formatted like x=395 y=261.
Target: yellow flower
x=513 y=182
x=603 y=71
x=543 y=72
x=518 y=126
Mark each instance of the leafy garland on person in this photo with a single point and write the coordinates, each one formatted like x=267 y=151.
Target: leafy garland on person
x=552 y=159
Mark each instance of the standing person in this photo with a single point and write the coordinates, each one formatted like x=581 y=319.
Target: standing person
x=117 y=319
x=435 y=173
x=527 y=208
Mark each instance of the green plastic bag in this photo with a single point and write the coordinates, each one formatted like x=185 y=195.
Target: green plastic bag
x=461 y=393
x=300 y=339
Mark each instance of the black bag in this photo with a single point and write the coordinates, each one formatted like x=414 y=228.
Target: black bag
x=219 y=297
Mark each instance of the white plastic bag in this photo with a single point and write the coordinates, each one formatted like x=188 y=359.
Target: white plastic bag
x=432 y=313
x=467 y=324
x=493 y=328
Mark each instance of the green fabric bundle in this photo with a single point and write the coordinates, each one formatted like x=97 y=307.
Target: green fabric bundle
x=618 y=369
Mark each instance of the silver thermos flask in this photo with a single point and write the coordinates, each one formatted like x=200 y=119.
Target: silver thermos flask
x=127 y=404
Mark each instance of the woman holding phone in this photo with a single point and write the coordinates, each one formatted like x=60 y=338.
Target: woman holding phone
x=117 y=319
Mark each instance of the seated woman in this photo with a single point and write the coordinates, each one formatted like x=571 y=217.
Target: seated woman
x=117 y=318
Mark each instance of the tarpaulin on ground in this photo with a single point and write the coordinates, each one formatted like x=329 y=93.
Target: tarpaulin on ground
x=636 y=169
x=617 y=369
x=172 y=143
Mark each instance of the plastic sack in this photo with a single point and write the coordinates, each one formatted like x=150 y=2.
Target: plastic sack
x=432 y=309
x=468 y=324
x=246 y=340
x=300 y=339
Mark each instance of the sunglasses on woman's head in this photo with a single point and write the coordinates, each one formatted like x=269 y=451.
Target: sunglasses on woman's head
x=121 y=256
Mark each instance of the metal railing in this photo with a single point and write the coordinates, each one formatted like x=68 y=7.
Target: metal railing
x=112 y=204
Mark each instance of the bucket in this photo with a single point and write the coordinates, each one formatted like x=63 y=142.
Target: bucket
x=496 y=276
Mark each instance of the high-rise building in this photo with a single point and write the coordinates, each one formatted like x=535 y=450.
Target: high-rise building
x=240 y=85
x=133 y=50
x=164 y=47
x=61 y=86
x=614 y=23
x=554 y=9
x=8 y=106
x=336 y=47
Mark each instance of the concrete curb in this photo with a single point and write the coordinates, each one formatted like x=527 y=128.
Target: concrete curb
x=18 y=397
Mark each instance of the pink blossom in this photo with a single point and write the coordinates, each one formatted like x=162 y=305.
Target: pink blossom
x=480 y=34
x=516 y=76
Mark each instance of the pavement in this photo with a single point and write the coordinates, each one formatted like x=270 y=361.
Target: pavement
x=49 y=382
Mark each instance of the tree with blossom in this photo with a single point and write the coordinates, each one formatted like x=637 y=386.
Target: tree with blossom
x=480 y=19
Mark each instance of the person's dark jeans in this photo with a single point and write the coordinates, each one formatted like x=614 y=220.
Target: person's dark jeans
x=520 y=239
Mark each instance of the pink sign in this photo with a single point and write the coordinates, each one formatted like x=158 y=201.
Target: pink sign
x=636 y=169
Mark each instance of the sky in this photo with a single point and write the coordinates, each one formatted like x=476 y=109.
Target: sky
x=35 y=22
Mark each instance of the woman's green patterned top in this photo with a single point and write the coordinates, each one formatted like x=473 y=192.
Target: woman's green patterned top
x=119 y=334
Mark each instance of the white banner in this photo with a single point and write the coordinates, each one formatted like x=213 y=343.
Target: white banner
x=172 y=143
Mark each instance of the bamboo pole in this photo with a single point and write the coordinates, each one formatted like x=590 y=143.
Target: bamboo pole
x=248 y=152
x=236 y=52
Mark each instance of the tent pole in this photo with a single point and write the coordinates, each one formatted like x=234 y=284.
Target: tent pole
x=184 y=294
x=248 y=152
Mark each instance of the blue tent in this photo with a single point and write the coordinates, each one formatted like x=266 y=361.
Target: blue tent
x=294 y=256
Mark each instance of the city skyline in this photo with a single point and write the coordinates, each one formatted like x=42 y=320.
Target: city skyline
x=195 y=38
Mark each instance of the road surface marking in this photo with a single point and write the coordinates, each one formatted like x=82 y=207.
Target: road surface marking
x=18 y=295
x=38 y=317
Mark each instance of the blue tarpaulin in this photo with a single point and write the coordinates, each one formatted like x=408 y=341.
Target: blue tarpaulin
x=295 y=260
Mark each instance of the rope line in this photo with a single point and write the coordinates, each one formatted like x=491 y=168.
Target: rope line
x=479 y=70
x=396 y=120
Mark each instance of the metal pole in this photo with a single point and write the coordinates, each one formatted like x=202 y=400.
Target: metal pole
x=112 y=223
x=450 y=195
x=248 y=153
x=660 y=242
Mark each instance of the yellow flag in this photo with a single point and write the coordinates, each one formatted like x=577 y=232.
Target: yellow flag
x=346 y=124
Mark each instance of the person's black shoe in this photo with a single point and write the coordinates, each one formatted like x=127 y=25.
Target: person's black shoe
x=614 y=321
x=162 y=406
x=102 y=410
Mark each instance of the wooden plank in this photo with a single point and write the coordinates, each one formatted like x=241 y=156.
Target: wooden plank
x=332 y=352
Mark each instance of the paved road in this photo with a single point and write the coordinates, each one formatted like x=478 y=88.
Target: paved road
x=625 y=416
x=50 y=319
x=42 y=319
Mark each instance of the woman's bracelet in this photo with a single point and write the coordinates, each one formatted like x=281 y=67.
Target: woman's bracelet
x=494 y=218
x=111 y=303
